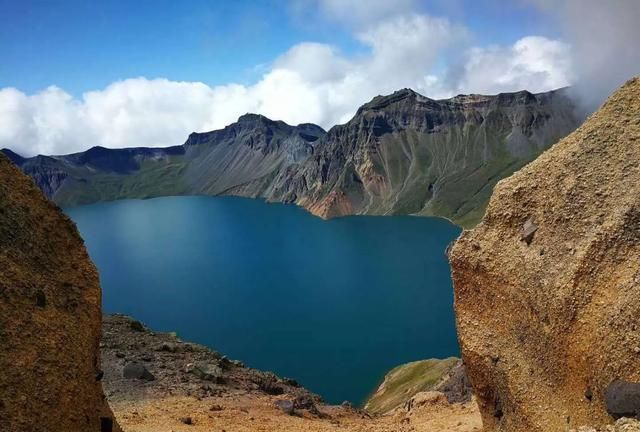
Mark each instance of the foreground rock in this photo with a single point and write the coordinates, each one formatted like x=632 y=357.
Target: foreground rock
x=49 y=317
x=548 y=317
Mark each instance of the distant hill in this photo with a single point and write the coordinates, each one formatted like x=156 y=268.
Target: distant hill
x=400 y=154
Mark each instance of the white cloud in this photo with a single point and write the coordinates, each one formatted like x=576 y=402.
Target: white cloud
x=533 y=63
x=604 y=36
x=311 y=82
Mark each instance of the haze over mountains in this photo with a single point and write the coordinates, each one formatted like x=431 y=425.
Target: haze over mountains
x=400 y=154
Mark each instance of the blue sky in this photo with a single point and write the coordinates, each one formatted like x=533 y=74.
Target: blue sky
x=81 y=45
x=74 y=74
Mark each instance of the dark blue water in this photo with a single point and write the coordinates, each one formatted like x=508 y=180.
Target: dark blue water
x=334 y=304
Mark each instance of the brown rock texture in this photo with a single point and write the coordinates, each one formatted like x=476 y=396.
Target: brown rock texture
x=50 y=320
x=546 y=322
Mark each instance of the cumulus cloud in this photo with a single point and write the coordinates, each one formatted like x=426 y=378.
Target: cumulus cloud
x=311 y=82
x=534 y=63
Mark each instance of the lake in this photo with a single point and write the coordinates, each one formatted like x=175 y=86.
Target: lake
x=333 y=304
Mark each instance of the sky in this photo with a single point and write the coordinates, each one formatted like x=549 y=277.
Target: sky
x=75 y=74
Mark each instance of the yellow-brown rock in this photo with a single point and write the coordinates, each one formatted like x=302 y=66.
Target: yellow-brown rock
x=49 y=317
x=548 y=319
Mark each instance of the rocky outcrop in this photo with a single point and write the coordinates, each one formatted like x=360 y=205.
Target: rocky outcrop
x=547 y=286
x=400 y=154
x=50 y=321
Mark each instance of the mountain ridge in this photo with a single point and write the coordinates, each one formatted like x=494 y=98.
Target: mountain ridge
x=401 y=153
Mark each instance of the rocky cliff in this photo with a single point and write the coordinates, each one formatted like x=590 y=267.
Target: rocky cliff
x=400 y=154
x=50 y=322
x=408 y=154
x=547 y=286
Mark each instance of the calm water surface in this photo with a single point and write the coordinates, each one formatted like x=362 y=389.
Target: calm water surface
x=334 y=304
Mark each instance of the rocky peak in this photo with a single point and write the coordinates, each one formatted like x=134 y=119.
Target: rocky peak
x=13 y=156
x=259 y=127
x=310 y=132
x=381 y=102
x=255 y=118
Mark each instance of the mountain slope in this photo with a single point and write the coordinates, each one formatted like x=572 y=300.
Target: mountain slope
x=403 y=382
x=400 y=154
x=406 y=154
x=208 y=163
x=547 y=286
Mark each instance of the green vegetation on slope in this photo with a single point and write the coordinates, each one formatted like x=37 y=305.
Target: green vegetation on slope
x=404 y=381
x=153 y=179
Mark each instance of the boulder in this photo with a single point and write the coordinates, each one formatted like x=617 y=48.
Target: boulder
x=547 y=286
x=134 y=370
x=136 y=326
x=168 y=347
x=623 y=399
x=205 y=371
x=50 y=317
x=286 y=406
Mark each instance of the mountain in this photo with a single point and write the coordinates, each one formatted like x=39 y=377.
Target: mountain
x=408 y=154
x=547 y=286
x=250 y=150
x=400 y=154
x=50 y=319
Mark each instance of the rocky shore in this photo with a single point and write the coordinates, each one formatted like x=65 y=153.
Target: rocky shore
x=156 y=382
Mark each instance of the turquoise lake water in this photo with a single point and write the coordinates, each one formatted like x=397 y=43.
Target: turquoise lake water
x=333 y=304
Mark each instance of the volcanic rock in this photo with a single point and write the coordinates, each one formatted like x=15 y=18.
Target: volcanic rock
x=562 y=324
x=623 y=399
x=133 y=370
x=50 y=320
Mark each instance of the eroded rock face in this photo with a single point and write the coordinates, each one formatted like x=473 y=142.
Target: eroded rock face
x=549 y=320
x=49 y=317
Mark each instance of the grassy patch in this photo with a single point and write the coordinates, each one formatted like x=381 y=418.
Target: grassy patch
x=405 y=381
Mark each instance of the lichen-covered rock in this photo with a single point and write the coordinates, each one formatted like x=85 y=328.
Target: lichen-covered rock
x=548 y=320
x=50 y=319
